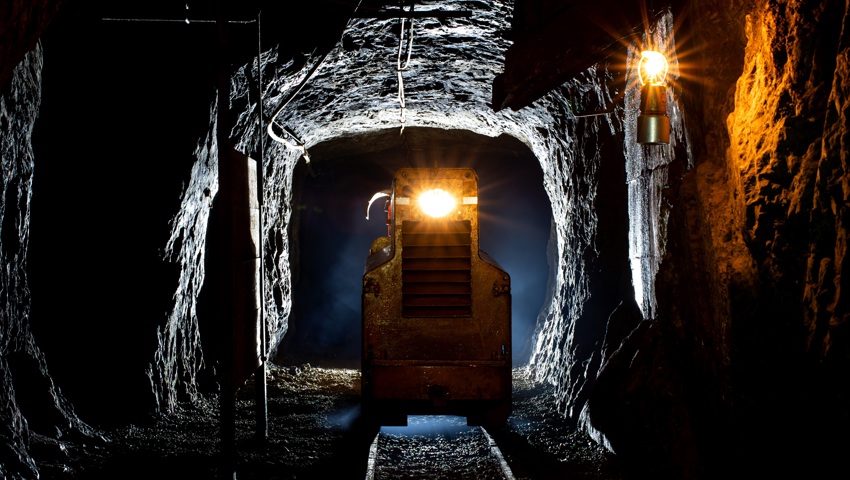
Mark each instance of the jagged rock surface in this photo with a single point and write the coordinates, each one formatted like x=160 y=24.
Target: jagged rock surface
x=30 y=401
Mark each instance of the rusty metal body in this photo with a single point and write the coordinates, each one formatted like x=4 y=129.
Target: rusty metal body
x=436 y=310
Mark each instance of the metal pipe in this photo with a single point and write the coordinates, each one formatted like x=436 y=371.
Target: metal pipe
x=260 y=375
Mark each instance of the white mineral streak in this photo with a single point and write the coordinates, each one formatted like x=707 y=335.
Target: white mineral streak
x=646 y=170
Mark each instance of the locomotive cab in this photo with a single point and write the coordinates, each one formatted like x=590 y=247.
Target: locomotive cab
x=436 y=310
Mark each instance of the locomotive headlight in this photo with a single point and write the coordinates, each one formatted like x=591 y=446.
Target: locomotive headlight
x=436 y=202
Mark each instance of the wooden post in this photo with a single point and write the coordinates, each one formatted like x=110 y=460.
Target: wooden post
x=237 y=236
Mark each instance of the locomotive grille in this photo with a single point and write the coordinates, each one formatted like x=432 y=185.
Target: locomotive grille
x=436 y=269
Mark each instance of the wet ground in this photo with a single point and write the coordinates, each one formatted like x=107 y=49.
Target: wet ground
x=435 y=447
x=314 y=431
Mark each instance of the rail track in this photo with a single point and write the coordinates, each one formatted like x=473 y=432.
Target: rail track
x=444 y=448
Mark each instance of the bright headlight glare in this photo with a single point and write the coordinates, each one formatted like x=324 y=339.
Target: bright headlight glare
x=436 y=203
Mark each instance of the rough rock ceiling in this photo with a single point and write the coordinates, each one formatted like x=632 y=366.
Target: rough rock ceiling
x=384 y=145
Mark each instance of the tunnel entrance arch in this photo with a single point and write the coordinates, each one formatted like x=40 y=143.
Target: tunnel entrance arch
x=331 y=236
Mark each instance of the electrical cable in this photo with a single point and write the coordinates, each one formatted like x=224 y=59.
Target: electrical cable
x=400 y=68
x=299 y=145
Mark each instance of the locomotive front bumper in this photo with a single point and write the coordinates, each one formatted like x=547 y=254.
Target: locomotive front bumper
x=439 y=383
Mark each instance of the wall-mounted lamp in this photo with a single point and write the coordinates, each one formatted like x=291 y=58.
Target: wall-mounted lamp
x=653 y=125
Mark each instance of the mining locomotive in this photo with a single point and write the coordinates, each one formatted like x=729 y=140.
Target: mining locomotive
x=436 y=310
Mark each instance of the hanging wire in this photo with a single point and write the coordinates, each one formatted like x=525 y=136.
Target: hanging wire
x=299 y=145
x=174 y=20
x=402 y=67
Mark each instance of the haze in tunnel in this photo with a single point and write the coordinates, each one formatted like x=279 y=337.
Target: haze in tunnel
x=332 y=236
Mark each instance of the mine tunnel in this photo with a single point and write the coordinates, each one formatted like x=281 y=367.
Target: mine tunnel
x=184 y=236
x=332 y=235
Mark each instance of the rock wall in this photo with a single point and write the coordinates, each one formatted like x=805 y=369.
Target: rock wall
x=739 y=366
x=743 y=370
x=790 y=349
x=178 y=365
x=30 y=403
